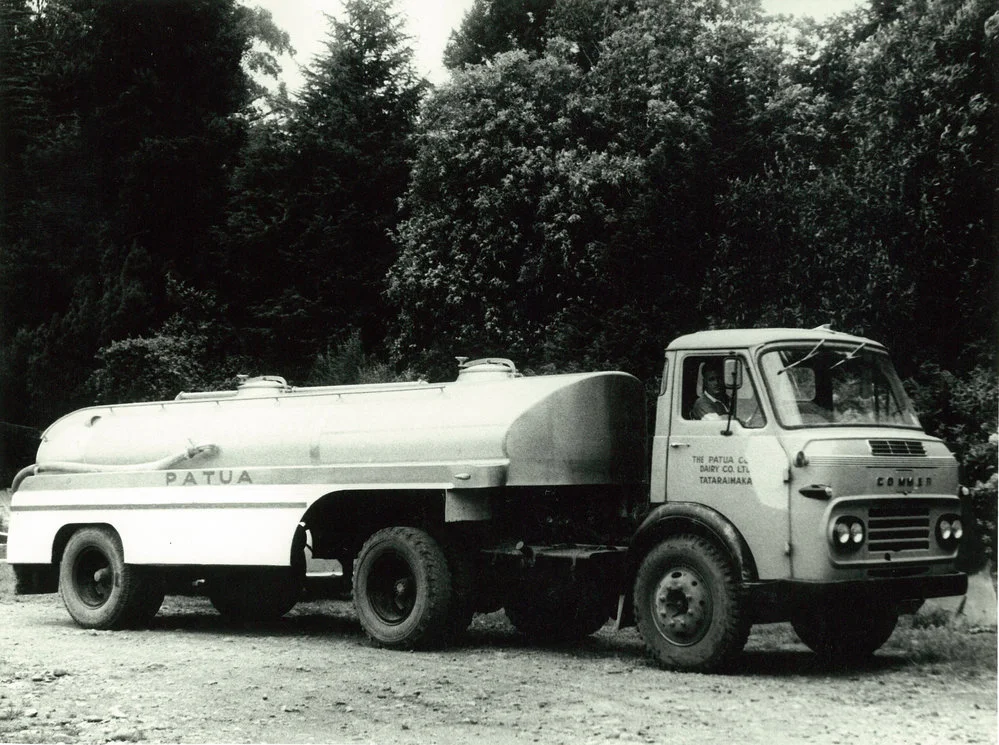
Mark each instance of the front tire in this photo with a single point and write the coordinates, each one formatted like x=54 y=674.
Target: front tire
x=690 y=606
x=845 y=635
x=98 y=588
x=403 y=590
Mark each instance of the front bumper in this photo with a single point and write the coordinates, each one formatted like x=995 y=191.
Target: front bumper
x=778 y=600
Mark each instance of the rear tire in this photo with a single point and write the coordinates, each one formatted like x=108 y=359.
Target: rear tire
x=559 y=612
x=461 y=564
x=690 y=606
x=403 y=590
x=98 y=588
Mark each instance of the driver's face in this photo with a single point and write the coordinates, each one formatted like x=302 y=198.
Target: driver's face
x=712 y=383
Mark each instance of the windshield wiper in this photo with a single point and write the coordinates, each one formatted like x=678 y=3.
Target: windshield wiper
x=808 y=356
x=850 y=355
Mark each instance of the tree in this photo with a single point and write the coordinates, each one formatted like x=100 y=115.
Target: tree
x=560 y=213
x=491 y=27
x=872 y=211
x=122 y=122
x=316 y=195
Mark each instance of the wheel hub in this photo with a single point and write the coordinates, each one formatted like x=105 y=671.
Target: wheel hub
x=94 y=578
x=391 y=588
x=682 y=606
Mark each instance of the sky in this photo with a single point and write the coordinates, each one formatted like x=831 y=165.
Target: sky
x=430 y=23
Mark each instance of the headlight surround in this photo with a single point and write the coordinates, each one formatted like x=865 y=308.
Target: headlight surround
x=847 y=533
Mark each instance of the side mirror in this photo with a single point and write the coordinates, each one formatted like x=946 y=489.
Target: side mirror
x=732 y=374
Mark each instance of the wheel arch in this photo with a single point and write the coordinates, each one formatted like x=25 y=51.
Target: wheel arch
x=66 y=532
x=675 y=518
x=342 y=520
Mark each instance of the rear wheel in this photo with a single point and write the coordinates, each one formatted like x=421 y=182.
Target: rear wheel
x=461 y=564
x=98 y=588
x=846 y=634
x=689 y=605
x=403 y=589
x=559 y=612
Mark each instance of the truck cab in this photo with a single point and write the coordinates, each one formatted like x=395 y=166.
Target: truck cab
x=811 y=466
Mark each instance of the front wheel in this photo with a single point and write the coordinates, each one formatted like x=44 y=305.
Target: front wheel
x=845 y=634
x=403 y=590
x=689 y=605
x=98 y=588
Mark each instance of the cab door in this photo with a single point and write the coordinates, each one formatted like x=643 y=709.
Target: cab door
x=738 y=468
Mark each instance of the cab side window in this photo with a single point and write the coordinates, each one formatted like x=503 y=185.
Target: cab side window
x=704 y=397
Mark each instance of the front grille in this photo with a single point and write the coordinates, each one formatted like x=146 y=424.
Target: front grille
x=900 y=527
x=896 y=447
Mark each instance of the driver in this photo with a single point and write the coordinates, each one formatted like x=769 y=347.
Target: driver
x=713 y=403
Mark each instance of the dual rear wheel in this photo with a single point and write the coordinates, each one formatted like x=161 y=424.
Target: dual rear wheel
x=410 y=592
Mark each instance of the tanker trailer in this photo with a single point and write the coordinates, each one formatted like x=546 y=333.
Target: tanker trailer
x=790 y=480
x=438 y=500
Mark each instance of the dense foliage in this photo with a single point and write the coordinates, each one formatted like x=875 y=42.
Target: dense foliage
x=596 y=177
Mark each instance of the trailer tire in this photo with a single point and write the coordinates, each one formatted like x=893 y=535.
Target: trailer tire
x=261 y=594
x=98 y=588
x=153 y=593
x=403 y=590
x=845 y=635
x=689 y=605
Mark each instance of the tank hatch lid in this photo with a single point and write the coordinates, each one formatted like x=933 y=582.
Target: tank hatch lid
x=486 y=370
x=261 y=385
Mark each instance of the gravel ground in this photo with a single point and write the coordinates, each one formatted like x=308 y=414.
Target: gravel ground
x=312 y=677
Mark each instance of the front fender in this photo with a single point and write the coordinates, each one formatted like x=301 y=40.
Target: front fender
x=676 y=518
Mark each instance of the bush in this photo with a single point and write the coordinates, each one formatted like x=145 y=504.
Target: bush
x=148 y=369
x=961 y=410
x=347 y=364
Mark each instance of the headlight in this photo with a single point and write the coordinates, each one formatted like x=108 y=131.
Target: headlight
x=857 y=532
x=848 y=533
x=950 y=530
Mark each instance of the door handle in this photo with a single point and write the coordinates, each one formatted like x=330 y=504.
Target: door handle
x=678 y=445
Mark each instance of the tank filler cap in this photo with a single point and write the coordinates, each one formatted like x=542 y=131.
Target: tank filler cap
x=486 y=370
x=262 y=385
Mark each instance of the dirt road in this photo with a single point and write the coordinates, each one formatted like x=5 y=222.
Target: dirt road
x=312 y=677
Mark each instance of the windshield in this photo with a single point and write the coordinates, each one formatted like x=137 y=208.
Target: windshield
x=821 y=385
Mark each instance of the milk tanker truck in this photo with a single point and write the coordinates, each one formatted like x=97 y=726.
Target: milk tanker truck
x=816 y=499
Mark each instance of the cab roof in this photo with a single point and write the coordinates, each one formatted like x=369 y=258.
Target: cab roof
x=723 y=339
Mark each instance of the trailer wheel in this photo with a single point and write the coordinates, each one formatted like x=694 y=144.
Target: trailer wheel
x=153 y=592
x=402 y=589
x=98 y=588
x=689 y=606
x=261 y=594
x=845 y=634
